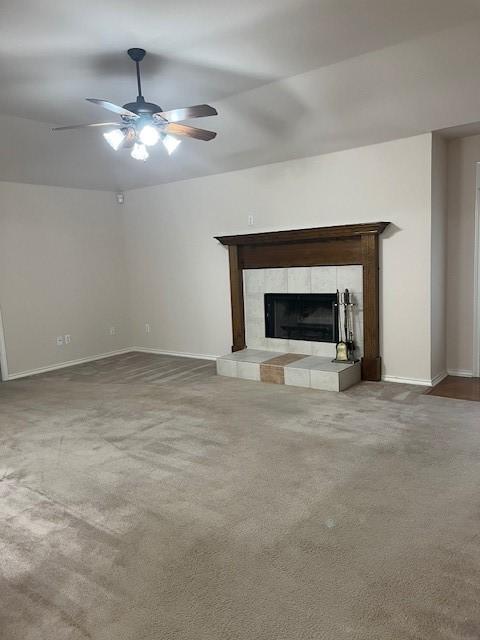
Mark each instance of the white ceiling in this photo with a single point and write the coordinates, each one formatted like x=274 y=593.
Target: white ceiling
x=289 y=78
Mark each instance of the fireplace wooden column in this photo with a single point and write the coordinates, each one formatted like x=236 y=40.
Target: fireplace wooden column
x=318 y=247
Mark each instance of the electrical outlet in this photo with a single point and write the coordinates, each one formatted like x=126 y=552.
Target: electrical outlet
x=113 y=331
x=68 y=338
x=147 y=328
x=251 y=220
x=59 y=341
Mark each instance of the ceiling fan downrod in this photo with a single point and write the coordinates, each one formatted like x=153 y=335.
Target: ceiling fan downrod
x=137 y=55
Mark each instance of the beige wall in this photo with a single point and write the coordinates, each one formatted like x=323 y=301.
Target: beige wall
x=72 y=261
x=439 y=257
x=179 y=273
x=62 y=271
x=463 y=154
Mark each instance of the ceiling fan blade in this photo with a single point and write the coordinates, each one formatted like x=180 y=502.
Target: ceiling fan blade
x=178 y=115
x=85 y=126
x=191 y=132
x=113 y=107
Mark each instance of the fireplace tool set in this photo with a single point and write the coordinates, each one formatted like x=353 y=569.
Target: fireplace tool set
x=345 y=350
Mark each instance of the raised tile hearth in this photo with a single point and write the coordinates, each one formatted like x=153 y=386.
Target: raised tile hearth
x=293 y=369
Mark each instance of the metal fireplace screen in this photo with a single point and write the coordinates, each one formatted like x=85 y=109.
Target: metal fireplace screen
x=301 y=316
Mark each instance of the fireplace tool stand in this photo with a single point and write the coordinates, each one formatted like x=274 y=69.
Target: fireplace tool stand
x=345 y=350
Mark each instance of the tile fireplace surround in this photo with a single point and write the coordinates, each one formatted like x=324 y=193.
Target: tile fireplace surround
x=258 y=282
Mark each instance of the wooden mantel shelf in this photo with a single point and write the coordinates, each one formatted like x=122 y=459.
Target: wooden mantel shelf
x=321 y=246
x=305 y=235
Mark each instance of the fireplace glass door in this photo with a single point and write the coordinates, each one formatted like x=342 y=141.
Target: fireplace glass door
x=301 y=316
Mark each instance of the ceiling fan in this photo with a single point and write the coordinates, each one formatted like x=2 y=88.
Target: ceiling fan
x=143 y=124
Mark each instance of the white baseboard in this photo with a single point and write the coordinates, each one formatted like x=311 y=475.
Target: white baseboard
x=438 y=378
x=180 y=354
x=71 y=363
x=423 y=382
x=462 y=373
x=63 y=365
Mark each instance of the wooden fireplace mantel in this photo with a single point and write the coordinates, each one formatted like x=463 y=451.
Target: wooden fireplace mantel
x=320 y=246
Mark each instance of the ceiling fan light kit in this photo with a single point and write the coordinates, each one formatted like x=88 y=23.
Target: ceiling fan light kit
x=149 y=135
x=144 y=124
x=114 y=138
x=170 y=143
x=139 y=152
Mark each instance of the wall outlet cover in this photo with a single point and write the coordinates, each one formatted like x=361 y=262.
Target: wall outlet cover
x=59 y=341
x=68 y=338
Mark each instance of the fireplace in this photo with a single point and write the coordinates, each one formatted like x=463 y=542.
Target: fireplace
x=301 y=316
x=352 y=244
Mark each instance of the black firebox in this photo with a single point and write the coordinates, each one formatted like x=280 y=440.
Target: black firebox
x=301 y=316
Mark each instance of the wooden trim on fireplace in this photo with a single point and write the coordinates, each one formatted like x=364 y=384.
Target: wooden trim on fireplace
x=236 y=296
x=305 y=235
x=322 y=246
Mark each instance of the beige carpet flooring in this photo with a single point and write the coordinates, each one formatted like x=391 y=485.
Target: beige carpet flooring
x=144 y=498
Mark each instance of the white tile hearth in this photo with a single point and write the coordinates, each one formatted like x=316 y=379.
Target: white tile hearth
x=324 y=380
x=315 y=363
x=313 y=372
x=248 y=370
x=350 y=376
x=297 y=377
x=231 y=365
x=227 y=367
x=249 y=355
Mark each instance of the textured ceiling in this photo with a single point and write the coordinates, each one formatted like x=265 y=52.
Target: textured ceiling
x=289 y=78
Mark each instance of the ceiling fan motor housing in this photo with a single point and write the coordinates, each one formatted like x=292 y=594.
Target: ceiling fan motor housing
x=142 y=108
